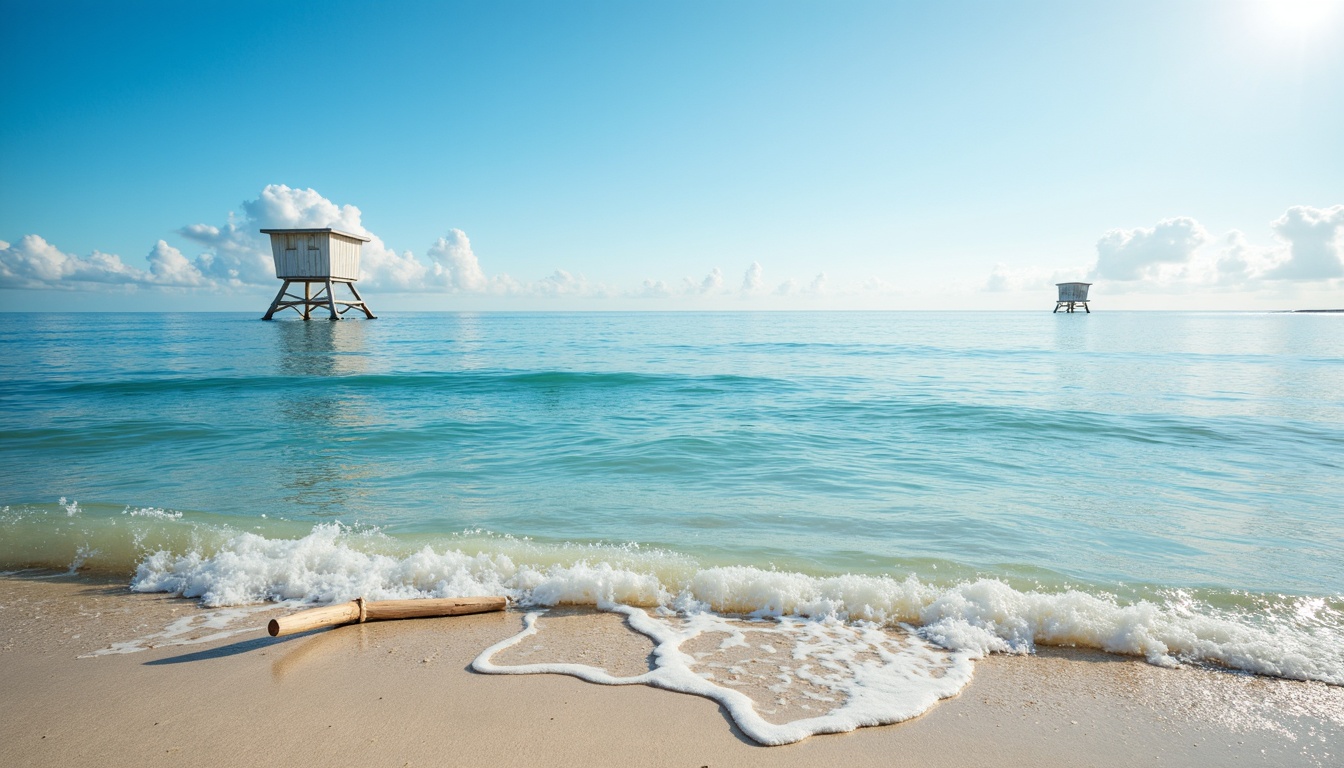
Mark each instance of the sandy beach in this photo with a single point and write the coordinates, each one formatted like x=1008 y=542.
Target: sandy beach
x=402 y=694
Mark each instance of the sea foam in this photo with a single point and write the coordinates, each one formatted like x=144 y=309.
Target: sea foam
x=1292 y=638
x=876 y=677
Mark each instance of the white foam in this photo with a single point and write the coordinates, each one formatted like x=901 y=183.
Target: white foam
x=153 y=513
x=1304 y=640
x=899 y=680
x=188 y=630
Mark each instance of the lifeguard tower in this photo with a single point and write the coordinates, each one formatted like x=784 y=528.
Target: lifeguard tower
x=322 y=257
x=1072 y=294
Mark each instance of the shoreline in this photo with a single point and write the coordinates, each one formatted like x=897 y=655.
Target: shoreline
x=399 y=693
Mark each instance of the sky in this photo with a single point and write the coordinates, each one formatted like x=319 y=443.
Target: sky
x=677 y=155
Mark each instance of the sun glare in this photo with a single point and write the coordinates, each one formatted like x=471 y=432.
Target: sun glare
x=1300 y=16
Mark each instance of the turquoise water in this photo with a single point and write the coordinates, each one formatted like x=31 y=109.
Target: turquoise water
x=1171 y=457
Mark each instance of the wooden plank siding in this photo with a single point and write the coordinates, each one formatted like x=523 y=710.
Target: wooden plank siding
x=315 y=255
x=344 y=257
x=1072 y=291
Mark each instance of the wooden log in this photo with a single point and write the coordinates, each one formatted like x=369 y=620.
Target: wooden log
x=362 y=610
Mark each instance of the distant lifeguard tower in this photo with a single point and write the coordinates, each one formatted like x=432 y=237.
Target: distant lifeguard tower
x=1071 y=294
x=322 y=257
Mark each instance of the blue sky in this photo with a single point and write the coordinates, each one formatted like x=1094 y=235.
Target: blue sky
x=729 y=155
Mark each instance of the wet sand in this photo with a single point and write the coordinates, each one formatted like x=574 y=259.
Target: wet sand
x=401 y=694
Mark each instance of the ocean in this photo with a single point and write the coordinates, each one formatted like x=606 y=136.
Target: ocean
x=1160 y=484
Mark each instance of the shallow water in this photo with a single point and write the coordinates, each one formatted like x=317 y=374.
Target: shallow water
x=1165 y=484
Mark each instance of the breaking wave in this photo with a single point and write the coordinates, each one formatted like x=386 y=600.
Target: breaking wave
x=244 y=562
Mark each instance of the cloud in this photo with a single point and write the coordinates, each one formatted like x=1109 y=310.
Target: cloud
x=280 y=207
x=33 y=263
x=238 y=254
x=708 y=285
x=751 y=281
x=168 y=266
x=1315 y=238
x=1178 y=255
x=1130 y=254
x=654 y=289
x=454 y=265
x=233 y=255
x=713 y=282
x=1007 y=279
x=792 y=287
x=559 y=283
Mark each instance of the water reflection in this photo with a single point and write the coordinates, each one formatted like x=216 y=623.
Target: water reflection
x=1072 y=333
x=321 y=415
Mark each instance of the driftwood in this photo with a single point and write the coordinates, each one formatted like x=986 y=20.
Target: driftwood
x=362 y=610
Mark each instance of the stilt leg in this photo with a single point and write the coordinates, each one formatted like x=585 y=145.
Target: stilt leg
x=276 y=301
x=331 y=301
x=362 y=305
x=307 y=301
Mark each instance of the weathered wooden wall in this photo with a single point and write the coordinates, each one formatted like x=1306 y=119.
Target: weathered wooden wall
x=1073 y=291
x=300 y=255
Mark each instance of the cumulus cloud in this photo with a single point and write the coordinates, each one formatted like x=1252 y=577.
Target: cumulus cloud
x=233 y=255
x=713 y=282
x=237 y=252
x=792 y=287
x=168 y=266
x=454 y=265
x=1315 y=238
x=236 y=255
x=560 y=283
x=1129 y=254
x=751 y=281
x=654 y=289
x=1179 y=255
x=280 y=207
x=709 y=285
x=1004 y=278
x=34 y=263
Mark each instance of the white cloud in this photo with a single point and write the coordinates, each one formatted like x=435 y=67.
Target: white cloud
x=168 y=266
x=235 y=255
x=35 y=263
x=558 y=283
x=1179 y=256
x=751 y=281
x=280 y=207
x=454 y=265
x=1007 y=279
x=239 y=252
x=1132 y=254
x=654 y=289
x=713 y=282
x=1315 y=238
